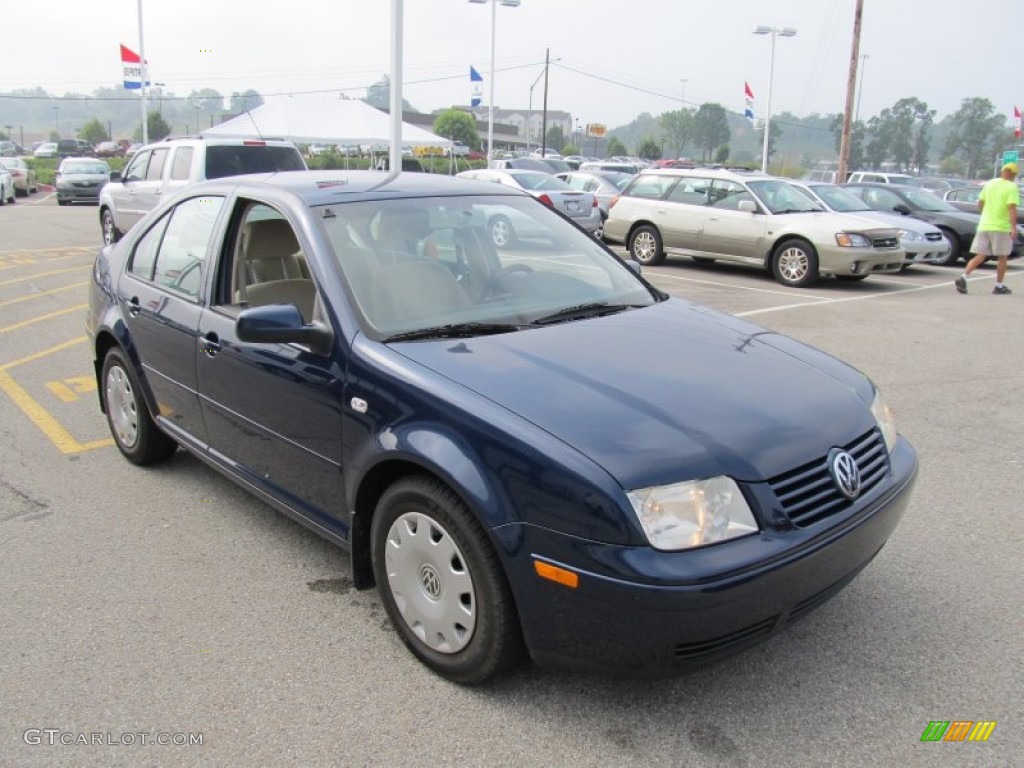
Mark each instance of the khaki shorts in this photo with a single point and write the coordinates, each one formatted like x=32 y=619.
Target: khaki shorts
x=992 y=243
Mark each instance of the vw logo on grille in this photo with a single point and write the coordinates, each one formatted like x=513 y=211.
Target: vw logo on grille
x=430 y=581
x=845 y=473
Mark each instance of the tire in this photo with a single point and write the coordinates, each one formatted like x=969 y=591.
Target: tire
x=795 y=263
x=133 y=430
x=955 y=249
x=703 y=259
x=645 y=245
x=61 y=202
x=110 y=232
x=853 y=278
x=502 y=233
x=441 y=582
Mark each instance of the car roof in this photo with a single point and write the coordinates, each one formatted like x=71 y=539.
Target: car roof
x=340 y=186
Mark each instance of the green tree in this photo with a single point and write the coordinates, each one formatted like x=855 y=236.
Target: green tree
x=774 y=132
x=951 y=165
x=710 y=129
x=93 y=132
x=570 y=149
x=722 y=154
x=156 y=127
x=976 y=129
x=248 y=99
x=877 y=147
x=678 y=129
x=208 y=100
x=555 y=137
x=456 y=125
x=858 y=139
x=615 y=147
x=649 y=149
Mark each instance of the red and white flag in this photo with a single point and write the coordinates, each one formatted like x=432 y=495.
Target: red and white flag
x=132 y=63
x=749 y=111
x=747 y=91
x=1016 y=122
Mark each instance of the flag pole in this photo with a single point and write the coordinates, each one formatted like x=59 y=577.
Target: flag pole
x=142 y=85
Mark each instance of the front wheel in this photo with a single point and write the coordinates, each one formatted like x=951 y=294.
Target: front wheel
x=441 y=582
x=645 y=245
x=110 y=232
x=955 y=249
x=795 y=263
x=502 y=234
x=137 y=437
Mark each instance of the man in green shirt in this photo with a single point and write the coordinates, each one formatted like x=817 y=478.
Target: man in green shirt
x=998 y=203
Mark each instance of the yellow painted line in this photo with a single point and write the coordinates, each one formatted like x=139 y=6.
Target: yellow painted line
x=20 y=251
x=43 y=293
x=45 y=274
x=62 y=391
x=69 y=389
x=49 y=426
x=13 y=262
x=41 y=318
x=43 y=353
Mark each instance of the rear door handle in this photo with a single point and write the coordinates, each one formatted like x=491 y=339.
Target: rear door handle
x=133 y=306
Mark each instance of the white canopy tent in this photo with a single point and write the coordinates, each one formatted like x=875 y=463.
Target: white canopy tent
x=323 y=119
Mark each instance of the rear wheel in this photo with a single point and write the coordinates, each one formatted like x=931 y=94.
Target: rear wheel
x=110 y=233
x=502 y=234
x=645 y=245
x=137 y=437
x=441 y=582
x=795 y=263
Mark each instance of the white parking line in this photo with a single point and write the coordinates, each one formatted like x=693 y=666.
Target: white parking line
x=718 y=284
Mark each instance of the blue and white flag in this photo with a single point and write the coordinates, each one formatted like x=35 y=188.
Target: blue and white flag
x=476 y=84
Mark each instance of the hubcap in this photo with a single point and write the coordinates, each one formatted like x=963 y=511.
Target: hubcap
x=108 y=230
x=430 y=582
x=793 y=264
x=643 y=247
x=122 y=408
x=500 y=233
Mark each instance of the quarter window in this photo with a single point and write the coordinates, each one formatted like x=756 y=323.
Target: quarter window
x=156 y=165
x=144 y=257
x=136 y=170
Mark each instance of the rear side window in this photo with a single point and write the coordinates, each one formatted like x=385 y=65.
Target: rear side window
x=234 y=160
x=182 y=164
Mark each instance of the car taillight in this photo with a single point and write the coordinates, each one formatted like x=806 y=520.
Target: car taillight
x=254 y=143
x=595 y=203
x=546 y=200
x=612 y=202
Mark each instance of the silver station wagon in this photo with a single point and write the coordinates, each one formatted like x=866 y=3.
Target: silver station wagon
x=714 y=214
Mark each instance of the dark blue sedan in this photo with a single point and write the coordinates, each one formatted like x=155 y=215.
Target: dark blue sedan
x=526 y=449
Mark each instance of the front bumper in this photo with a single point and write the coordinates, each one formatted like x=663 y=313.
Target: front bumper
x=836 y=260
x=641 y=612
x=79 y=194
x=925 y=251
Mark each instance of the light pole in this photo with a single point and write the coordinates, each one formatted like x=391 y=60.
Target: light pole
x=529 y=111
x=682 y=95
x=773 y=31
x=860 y=87
x=56 y=121
x=490 y=101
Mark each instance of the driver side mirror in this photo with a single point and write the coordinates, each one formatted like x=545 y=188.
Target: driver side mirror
x=902 y=209
x=115 y=175
x=282 y=324
x=747 y=206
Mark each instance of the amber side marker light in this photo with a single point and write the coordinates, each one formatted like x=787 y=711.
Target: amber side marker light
x=556 y=574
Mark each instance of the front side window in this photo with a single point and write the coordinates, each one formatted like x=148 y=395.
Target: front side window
x=156 y=165
x=693 y=191
x=185 y=242
x=728 y=195
x=136 y=170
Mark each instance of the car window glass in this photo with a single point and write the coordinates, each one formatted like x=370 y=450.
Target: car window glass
x=144 y=256
x=691 y=190
x=182 y=164
x=266 y=264
x=881 y=199
x=650 y=186
x=577 y=182
x=183 y=248
x=728 y=194
x=156 y=165
x=136 y=169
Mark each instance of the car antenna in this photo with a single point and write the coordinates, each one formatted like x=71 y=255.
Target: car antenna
x=254 y=124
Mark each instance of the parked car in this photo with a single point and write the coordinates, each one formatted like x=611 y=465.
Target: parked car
x=828 y=177
x=80 y=180
x=9 y=148
x=556 y=164
x=46 y=149
x=712 y=214
x=73 y=148
x=24 y=175
x=879 y=177
x=108 y=149
x=958 y=226
x=456 y=148
x=6 y=186
x=963 y=198
x=524 y=451
x=158 y=170
x=131 y=149
x=409 y=164
x=508 y=228
x=923 y=243
x=940 y=184
x=592 y=166
x=604 y=185
x=521 y=164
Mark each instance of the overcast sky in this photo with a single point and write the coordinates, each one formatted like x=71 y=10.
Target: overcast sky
x=613 y=59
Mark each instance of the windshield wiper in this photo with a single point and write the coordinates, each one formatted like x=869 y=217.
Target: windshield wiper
x=798 y=210
x=595 y=309
x=455 y=331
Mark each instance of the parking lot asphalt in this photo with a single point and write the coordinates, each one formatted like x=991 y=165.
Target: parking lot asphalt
x=137 y=602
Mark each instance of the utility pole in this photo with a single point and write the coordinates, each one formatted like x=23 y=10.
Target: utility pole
x=544 y=119
x=851 y=83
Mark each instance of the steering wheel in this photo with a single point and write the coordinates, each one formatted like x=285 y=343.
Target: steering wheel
x=495 y=284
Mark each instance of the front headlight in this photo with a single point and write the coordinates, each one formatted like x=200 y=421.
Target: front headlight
x=886 y=422
x=692 y=514
x=853 y=240
x=909 y=236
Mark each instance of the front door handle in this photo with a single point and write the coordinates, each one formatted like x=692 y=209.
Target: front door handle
x=133 y=306
x=210 y=344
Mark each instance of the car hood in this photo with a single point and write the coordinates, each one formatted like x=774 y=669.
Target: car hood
x=908 y=223
x=962 y=220
x=666 y=393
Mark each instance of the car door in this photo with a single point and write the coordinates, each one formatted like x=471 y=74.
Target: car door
x=126 y=204
x=728 y=231
x=149 y=190
x=272 y=411
x=161 y=290
x=684 y=208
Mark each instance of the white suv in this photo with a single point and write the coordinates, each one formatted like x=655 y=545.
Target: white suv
x=159 y=170
x=713 y=214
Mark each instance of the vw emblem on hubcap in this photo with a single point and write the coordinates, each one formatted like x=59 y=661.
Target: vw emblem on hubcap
x=845 y=473
x=430 y=581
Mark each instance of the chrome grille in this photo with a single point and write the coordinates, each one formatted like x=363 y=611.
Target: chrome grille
x=808 y=493
x=885 y=242
x=933 y=237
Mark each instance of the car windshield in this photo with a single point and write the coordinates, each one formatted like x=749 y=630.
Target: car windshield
x=87 y=167
x=782 y=197
x=839 y=199
x=430 y=268
x=923 y=200
x=906 y=181
x=539 y=181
